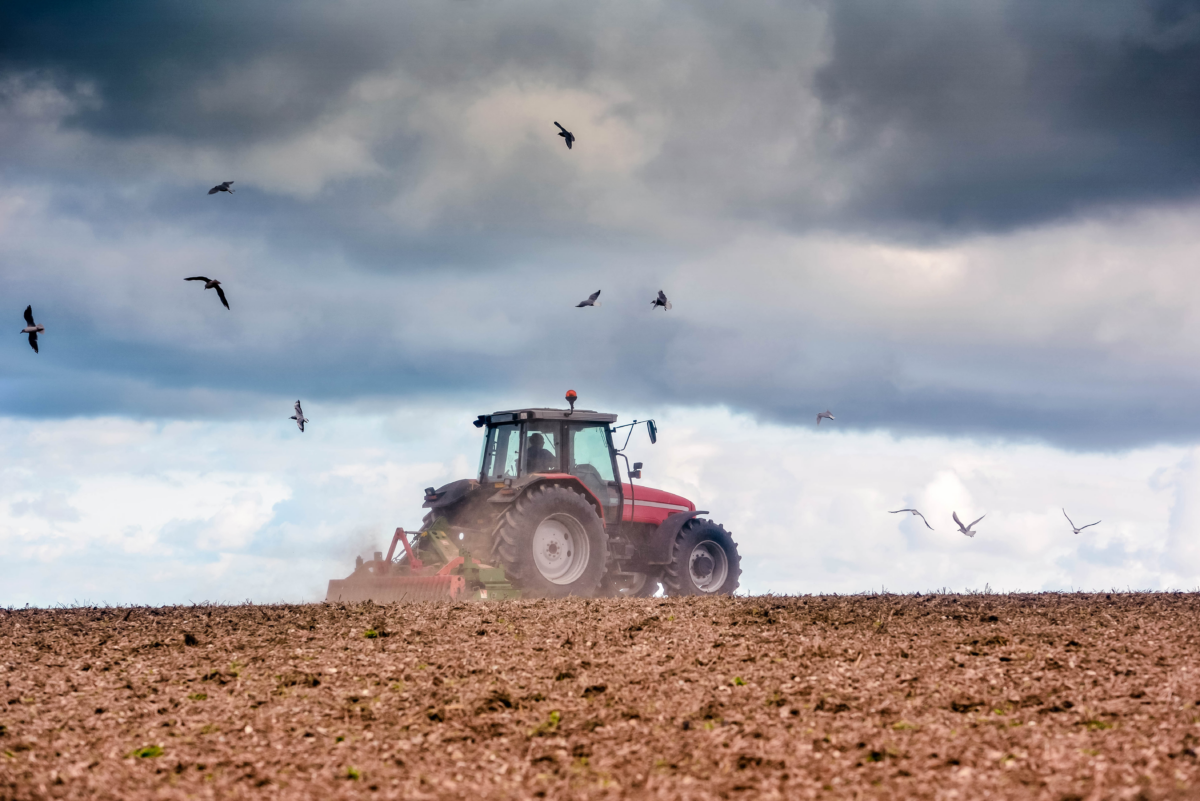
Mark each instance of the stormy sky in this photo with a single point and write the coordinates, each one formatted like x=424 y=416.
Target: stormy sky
x=968 y=225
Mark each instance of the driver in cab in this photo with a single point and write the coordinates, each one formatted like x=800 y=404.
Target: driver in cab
x=537 y=458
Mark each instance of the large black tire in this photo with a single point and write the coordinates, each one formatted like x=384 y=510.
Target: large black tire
x=553 y=544
x=704 y=561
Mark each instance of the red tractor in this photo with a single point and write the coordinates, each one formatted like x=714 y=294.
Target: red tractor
x=548 y=517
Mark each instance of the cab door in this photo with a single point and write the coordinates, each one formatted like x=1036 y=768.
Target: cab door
x=590 y=459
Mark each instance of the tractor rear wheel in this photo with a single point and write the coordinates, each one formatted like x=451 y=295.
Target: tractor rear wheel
x=552 y=543
x=704 y=561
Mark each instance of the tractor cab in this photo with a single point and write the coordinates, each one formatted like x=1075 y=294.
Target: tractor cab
x=552 y=442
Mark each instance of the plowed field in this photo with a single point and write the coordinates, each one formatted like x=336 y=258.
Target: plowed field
x=969 y=697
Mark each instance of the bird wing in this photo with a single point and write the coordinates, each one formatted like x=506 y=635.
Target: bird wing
x=29 y=314
x=923 y=520
x=956 y=520
x=221 y=292
x=301 y=424
x=197 y=278
x=33 y=341
x=898 y=511
x=980 y=518
x=592 y=297
x=299 y=411
x=1089 y=525
x=214 y=190
x=228 y=183
x=662 y=296
x=1069 y=520
x=570 y=139
x=559 y=124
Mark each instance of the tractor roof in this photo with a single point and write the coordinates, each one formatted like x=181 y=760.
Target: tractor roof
x=513 y=415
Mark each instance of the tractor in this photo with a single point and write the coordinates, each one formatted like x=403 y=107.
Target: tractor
x=549 y=517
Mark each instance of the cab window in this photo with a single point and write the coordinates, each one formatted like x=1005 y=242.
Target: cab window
x=541 y=447
x=500 y=453
x=591 y=459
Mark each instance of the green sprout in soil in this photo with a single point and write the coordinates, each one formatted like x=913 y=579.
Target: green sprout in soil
x=549 y=727
x=371 y=634
x=738 y=681
x=198 y=697
x=353 y=774
x=148 y=751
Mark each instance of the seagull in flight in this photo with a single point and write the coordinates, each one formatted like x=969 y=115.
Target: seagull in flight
x=1074 y=528
x=33 y=329
x=563 y=132
x=661 y=300
x=221 y=187
x=968 y=530
x=826 y=415
x=591 y=301
x=211 y=283
x=918 y=514
x=299 y=417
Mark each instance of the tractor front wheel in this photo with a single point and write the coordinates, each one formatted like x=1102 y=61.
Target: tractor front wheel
x=704 y=561
x=553 y=544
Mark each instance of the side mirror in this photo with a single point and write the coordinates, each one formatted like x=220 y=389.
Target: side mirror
x=636 y=472
x=479 y=421
x=652 y=430
x=637 y=465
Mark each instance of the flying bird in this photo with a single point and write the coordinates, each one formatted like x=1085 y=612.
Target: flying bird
x=563 y=132
x=299 y=417
x=826 y=415
x=1075 y=528
x=33 y=329
x=221 y=187
x=968 y=530
x=591 y=301
x=210 y=283
x=915 y=512
x=661 y=300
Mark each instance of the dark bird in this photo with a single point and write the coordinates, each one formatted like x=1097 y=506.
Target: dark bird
x=825 y=415
x=565 y=134
x=210 y=283
x=1074 y=528
x=661 y=300
x=915 y=512
x=33 y=329
x=299 y=417
x=221 y=187
x=968 y=530
x=591 y=301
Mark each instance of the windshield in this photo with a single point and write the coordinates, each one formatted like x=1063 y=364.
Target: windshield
x=500 y=453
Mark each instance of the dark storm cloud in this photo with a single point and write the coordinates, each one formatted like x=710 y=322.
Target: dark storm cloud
x=997 y=114
x=939 y=115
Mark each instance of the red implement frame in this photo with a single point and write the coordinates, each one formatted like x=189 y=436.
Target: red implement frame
x=413 y=562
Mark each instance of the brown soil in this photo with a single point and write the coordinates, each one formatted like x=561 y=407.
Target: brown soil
x=969 y=697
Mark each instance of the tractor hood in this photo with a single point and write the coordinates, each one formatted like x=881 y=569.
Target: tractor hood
x=649 y=505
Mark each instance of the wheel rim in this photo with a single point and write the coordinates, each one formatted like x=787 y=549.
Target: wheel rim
x=561 y=549
x=708 y=566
